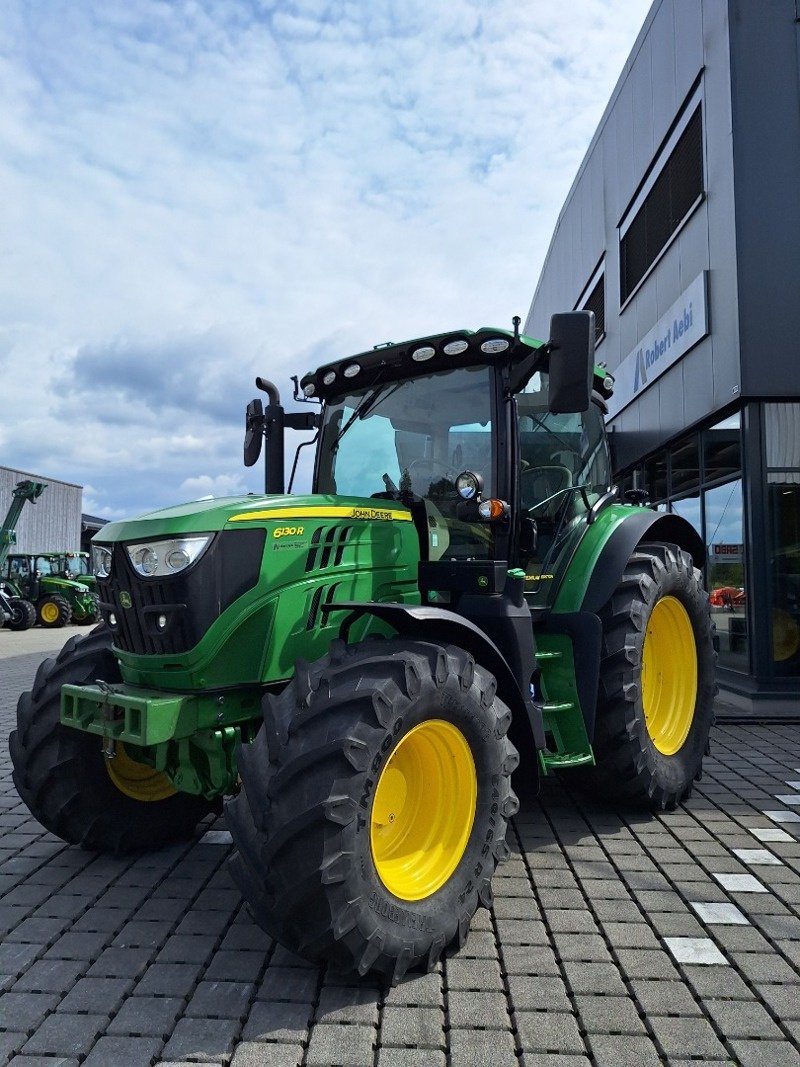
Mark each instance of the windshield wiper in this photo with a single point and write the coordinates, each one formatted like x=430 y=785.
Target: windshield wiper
x=360 y=410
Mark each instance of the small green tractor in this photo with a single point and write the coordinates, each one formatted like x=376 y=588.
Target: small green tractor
x=76 y=566
x=39 y=577
x=360 y=671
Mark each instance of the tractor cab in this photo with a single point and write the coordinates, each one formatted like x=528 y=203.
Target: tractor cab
x=493 y=440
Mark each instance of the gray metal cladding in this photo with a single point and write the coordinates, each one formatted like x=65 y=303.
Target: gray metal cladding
x=53 y=522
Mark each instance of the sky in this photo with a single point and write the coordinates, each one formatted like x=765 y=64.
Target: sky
x=195 y=192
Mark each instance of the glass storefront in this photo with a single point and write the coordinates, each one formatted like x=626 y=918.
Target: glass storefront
x=700 y=479
x=782 y=449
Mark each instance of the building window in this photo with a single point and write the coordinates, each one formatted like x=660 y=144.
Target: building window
x=672 y=196
x=596 y=302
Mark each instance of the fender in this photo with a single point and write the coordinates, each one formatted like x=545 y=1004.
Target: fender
x=427 y=623
x=642 y=525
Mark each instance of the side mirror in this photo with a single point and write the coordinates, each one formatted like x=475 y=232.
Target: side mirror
x=571 y=362
x=254 y=432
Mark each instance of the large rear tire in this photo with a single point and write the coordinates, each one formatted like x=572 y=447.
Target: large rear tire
x=374 y=805
x=53 y=611
x=65 y=780
x=656 y=700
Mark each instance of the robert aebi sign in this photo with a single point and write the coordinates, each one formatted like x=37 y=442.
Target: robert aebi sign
x=673 y=335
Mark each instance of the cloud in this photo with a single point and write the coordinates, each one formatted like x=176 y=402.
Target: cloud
x=199 y=192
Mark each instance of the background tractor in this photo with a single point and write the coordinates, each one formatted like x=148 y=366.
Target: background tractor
x=39 y=577
x=358 y=670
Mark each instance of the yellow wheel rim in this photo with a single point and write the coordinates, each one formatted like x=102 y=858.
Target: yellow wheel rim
x=49 y=612
x=785 y=635
x=423 y=810
x=669 y=675
x=136 y=780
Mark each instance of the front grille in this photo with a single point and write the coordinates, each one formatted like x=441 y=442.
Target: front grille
x=191 y=601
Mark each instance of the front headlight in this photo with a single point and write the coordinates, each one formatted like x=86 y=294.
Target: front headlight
x=101 y=561
x=160 y=559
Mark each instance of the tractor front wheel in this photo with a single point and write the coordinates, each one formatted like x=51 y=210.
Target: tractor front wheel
x=53 y=611
x=23 y=614
x=374 y=805
x=657 y=687
x=68 y=784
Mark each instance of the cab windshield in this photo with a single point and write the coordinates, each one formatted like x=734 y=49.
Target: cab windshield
x=410 y=440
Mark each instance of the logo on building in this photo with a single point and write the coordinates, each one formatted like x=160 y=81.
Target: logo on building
x=678 y=330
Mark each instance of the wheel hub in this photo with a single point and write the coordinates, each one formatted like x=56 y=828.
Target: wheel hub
x=423 y=810
x=669 y=675
x=136 y=780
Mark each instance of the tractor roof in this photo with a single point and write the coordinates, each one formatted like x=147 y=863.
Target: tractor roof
x=423 y=355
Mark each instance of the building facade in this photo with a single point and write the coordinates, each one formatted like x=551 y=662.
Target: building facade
x=50 y=524
x=682 y=233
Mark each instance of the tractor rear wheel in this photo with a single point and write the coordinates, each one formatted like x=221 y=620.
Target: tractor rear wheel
x=657 y=687
x=116 y=806
x=53 y=611
x=374 y=805
x=23 y=614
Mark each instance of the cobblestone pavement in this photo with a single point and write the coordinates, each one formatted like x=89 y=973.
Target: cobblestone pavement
x=614 y=939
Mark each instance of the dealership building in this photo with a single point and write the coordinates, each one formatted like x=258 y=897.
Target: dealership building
x=682 y=233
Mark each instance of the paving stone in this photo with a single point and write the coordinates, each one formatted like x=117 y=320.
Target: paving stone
x=612 y=1051
x=414 y=1026
x=25 y=1011
x=202 y=1040
x=719 y=913
x=409 y=1057
x=646 y=963
x=664 y=998
x=187 y=948
x=742 y=1018
x=679 y=1036
x=701 y=950
x=96 y=995
x=50 y=976
x=548 y=1031
x=538 y=993
x=147 y=1016
x=473 y=974
x=764 y=1054
x=124 y=1052
x=288 y=983
x=600 y=978
x=423 y=990
x=339 y=1045
x=529 y=959
x=121 y=962
x=257 y=1054
x=348 y=1004
x=477 y=1048
x=757 y=857
x=221 y=1000
x=235 y=966
x=487 y=1009
x=609 y=1015
x=168 y=979
x=277 y=1022
x=65 y=1035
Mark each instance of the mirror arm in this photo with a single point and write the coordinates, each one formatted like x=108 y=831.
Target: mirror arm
x=528 y=366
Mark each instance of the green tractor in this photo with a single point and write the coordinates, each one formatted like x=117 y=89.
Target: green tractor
x=77 y=567
x=358 y=670
x=58 y=600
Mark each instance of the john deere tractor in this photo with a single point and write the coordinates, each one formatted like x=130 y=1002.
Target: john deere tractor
x=357 y=670
x=58 y=600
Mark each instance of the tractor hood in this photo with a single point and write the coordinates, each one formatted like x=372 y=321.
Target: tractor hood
x=207 y=516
